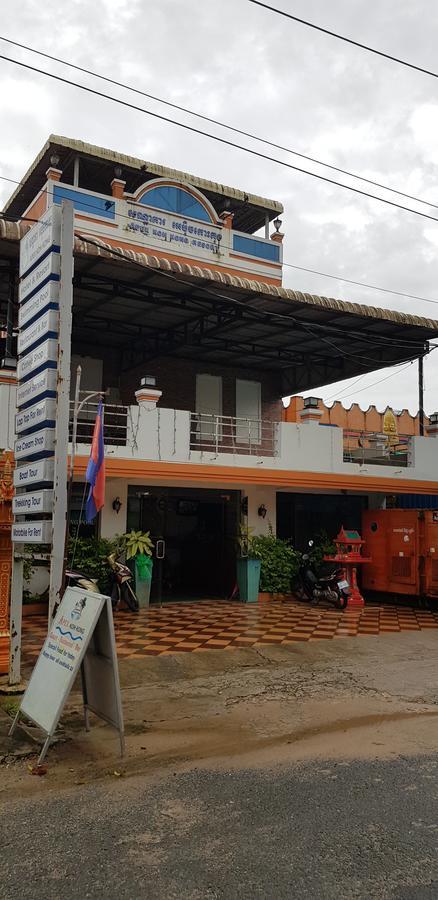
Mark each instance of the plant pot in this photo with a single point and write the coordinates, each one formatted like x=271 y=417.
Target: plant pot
x=248 y=579
x=143 y=587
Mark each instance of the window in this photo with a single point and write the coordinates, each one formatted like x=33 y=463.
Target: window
x=248 y=411
x=209 y=406
x=174 y=199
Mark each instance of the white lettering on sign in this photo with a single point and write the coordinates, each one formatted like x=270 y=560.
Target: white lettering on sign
x=44 y=411
x=32 y=533
x=43 y=383
x=32 y=503
x=49 y=267
x=44 y=355
x=45 y=325
x=45 y=234
x=39 y=472
x=48 y=295
x=32 y=444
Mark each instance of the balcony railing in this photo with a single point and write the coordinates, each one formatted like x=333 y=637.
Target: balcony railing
x=115 y=424
x=375 y=448
x=230 y=434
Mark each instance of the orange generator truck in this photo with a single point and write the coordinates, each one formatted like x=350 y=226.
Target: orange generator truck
x=403 y=545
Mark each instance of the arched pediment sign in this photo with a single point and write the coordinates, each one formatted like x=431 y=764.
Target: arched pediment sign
x=176 y=197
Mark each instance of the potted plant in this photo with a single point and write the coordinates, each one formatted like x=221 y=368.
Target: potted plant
x=139 y=549
x=248 y=566
x=279 y=564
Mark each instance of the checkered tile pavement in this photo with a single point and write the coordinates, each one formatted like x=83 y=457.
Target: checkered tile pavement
x=214 y=625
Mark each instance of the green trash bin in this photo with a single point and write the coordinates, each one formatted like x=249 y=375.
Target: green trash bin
x=143 y=579
x=248 y=579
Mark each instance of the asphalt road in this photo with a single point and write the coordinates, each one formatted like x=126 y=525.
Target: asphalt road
x=321 y=830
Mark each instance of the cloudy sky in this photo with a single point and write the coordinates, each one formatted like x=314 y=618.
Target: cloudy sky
x=252 y=69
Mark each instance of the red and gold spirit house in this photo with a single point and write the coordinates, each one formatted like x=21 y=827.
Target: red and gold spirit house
x=6 y=493
x=349 y=554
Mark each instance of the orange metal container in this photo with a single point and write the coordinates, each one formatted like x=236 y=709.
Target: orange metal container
x=403 y=544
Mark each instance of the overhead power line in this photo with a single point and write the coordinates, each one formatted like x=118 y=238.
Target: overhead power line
x=213 y=121
x=347 y=40
x=364 y=284
x=217 y=138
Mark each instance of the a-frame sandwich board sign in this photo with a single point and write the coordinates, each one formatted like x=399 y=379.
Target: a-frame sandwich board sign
x=81 y=639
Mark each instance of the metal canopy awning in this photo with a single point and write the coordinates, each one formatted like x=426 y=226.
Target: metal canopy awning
x=145 y=307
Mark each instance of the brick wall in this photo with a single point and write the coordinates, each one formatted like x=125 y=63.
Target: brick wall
x=176 y=378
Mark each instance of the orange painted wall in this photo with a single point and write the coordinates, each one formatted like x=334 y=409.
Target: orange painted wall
x=354 y=419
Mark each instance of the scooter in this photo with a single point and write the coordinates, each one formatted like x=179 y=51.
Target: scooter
x=79 y=580
x=332 y=588
x=121 y=578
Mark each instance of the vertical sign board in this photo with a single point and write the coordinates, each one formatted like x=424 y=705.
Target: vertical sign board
x=41 y=423
x=81 y=638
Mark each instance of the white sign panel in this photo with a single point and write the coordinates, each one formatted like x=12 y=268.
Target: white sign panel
x=81 y=634
x=47 y=324
x=32 y=533
x=43 y=355
x=41 y=237
x=36 y=415
x=43 y=383
x=32 y=503
x=31 y=444
x=46 y=297
x=38 y=472
x=49 y=267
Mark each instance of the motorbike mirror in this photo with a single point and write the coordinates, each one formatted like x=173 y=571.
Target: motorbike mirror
x=310 y=543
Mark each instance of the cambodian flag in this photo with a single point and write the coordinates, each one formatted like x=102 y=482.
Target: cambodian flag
x=95 y=475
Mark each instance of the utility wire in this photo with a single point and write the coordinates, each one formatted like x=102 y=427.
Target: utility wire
x=289 y=265
x=221 y=140
x=213 y=121
x=342 y=37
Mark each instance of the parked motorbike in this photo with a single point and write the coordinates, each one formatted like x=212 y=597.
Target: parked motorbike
x=121 y=589
x=332 y=588
x=79 y=580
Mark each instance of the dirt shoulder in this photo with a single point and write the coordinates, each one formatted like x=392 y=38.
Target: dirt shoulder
x=371 y=697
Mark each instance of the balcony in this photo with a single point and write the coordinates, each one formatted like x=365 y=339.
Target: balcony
x=228 y=434
x=376 y=449
x=157 y=434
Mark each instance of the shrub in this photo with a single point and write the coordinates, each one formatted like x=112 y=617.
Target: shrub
x=322 y=546
x=279 y=562
x=90 y=557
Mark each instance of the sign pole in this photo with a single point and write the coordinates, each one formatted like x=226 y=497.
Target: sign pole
x=59 y=519
x=16 y=615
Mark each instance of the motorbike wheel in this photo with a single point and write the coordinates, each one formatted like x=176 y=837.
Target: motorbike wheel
x=130 y=598
x=115 y=597
x=343 y=600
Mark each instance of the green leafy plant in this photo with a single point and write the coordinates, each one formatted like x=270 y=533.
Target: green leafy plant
x=138 y=543
x=322 y=546
x=245 y=539
x=279 y=562
x=90 y=555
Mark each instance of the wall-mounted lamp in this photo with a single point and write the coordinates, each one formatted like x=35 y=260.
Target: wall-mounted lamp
x=218 y=245
x=277 y=224
x=54 y=160
x=117 y=505
x=262 y=511
x=118 y=171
